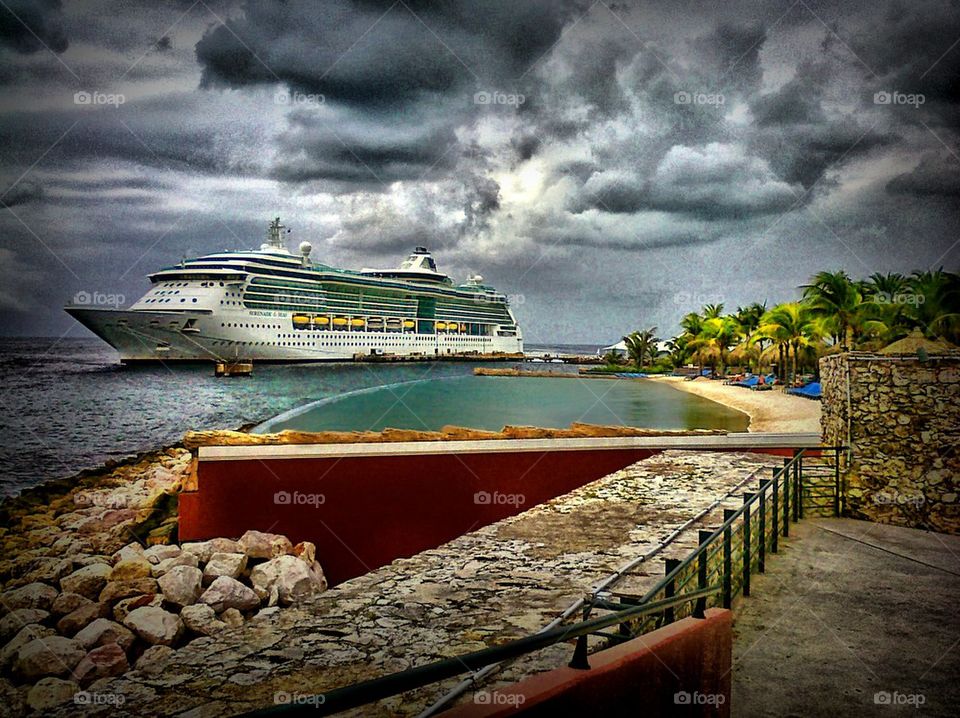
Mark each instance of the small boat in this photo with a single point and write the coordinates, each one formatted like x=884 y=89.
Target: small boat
x=233 y=368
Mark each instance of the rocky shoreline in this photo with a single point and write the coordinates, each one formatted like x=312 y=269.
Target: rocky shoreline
x=93 y=586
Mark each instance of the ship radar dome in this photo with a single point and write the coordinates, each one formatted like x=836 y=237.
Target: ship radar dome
x=305 y=248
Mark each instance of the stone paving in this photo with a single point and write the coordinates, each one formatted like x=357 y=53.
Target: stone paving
x=498 y=583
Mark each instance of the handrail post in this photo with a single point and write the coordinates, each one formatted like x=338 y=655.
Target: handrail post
x=775 y=513
x=579 y=659
x=836 y=484
x=728 y=557
x=747 y=498
x=798 y=485
x=669 y=565
x=762 y=548
x=703 y=537
x=786 y=498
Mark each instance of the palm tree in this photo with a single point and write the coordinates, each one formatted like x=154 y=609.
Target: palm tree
x=836 y=297
x=935 y=304
x=791 y=326
x=712 y=311
x=749 y=316
x=715 y=339
x=642 y=345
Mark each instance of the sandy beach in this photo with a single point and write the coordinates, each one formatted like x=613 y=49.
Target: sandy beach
x=768 y=410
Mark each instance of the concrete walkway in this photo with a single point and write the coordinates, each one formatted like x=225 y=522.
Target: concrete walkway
x=851 y=619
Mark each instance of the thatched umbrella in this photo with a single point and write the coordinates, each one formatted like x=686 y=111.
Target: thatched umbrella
x=915 y=342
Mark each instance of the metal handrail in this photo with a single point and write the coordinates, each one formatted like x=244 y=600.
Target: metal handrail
x=375 y=689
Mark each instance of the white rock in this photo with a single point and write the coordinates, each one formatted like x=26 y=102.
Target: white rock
x=87 y=581
x=285 y=580
x=181 y=585
x=154 y=625
x=203 y=550
x=224 y=564
x=226 y=592
x=156 y=554
x=202 y=619
x=130 y=552
x=51 y=692
x=184 y=559
x=257 y=544
x=33 y=595
x=104 y=631
x=49 y=656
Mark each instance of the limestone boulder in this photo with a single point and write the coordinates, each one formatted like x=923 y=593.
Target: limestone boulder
x=307 y=551
x=87 y=581
x=224 y=564
x=114 y=591
x=232 y=617
x=81 y=617
x=25 y=635
x=68 y=603
x=49 y=656
x=102 y=662
x=11 y=624
x=285 y=580
x=257 y=544
x=103 y=631
x=33 y=595
x=155 y=625
x=182 y=585
x=202 y=619
x=183 y=559
x=130 y=552
x=226 y=592
x=123 y=608
x=203 y=550
x=51 y=692
x=130 y=569
x=156 y=554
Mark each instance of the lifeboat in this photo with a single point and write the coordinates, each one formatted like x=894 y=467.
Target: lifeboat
x=441 y=326
x=408 y=324
x=322 y=321
x=357 y=322
x=301 y=321
x=375 y=324
x=463 y=327
x=339 y=321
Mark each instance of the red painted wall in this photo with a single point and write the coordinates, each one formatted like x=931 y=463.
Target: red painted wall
x=378 y=508
x=642 y=677
x=375 y=509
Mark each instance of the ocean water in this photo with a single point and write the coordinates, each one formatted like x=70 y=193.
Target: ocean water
x=69 y=405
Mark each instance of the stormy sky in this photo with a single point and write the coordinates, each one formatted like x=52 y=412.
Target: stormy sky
x=611 y=165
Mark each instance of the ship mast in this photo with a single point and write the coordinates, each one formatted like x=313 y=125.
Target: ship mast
x=275 y=234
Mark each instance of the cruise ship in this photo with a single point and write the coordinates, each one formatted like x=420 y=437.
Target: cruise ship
x=273 y=305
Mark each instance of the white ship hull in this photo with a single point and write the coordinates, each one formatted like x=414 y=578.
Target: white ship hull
x=152 y=336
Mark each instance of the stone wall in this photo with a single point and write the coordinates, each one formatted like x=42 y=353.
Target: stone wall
x=901 y=419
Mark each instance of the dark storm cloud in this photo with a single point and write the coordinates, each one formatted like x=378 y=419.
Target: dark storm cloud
x=28 y=26
x=22 y=193
x=376 y=53
x=935 y=176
